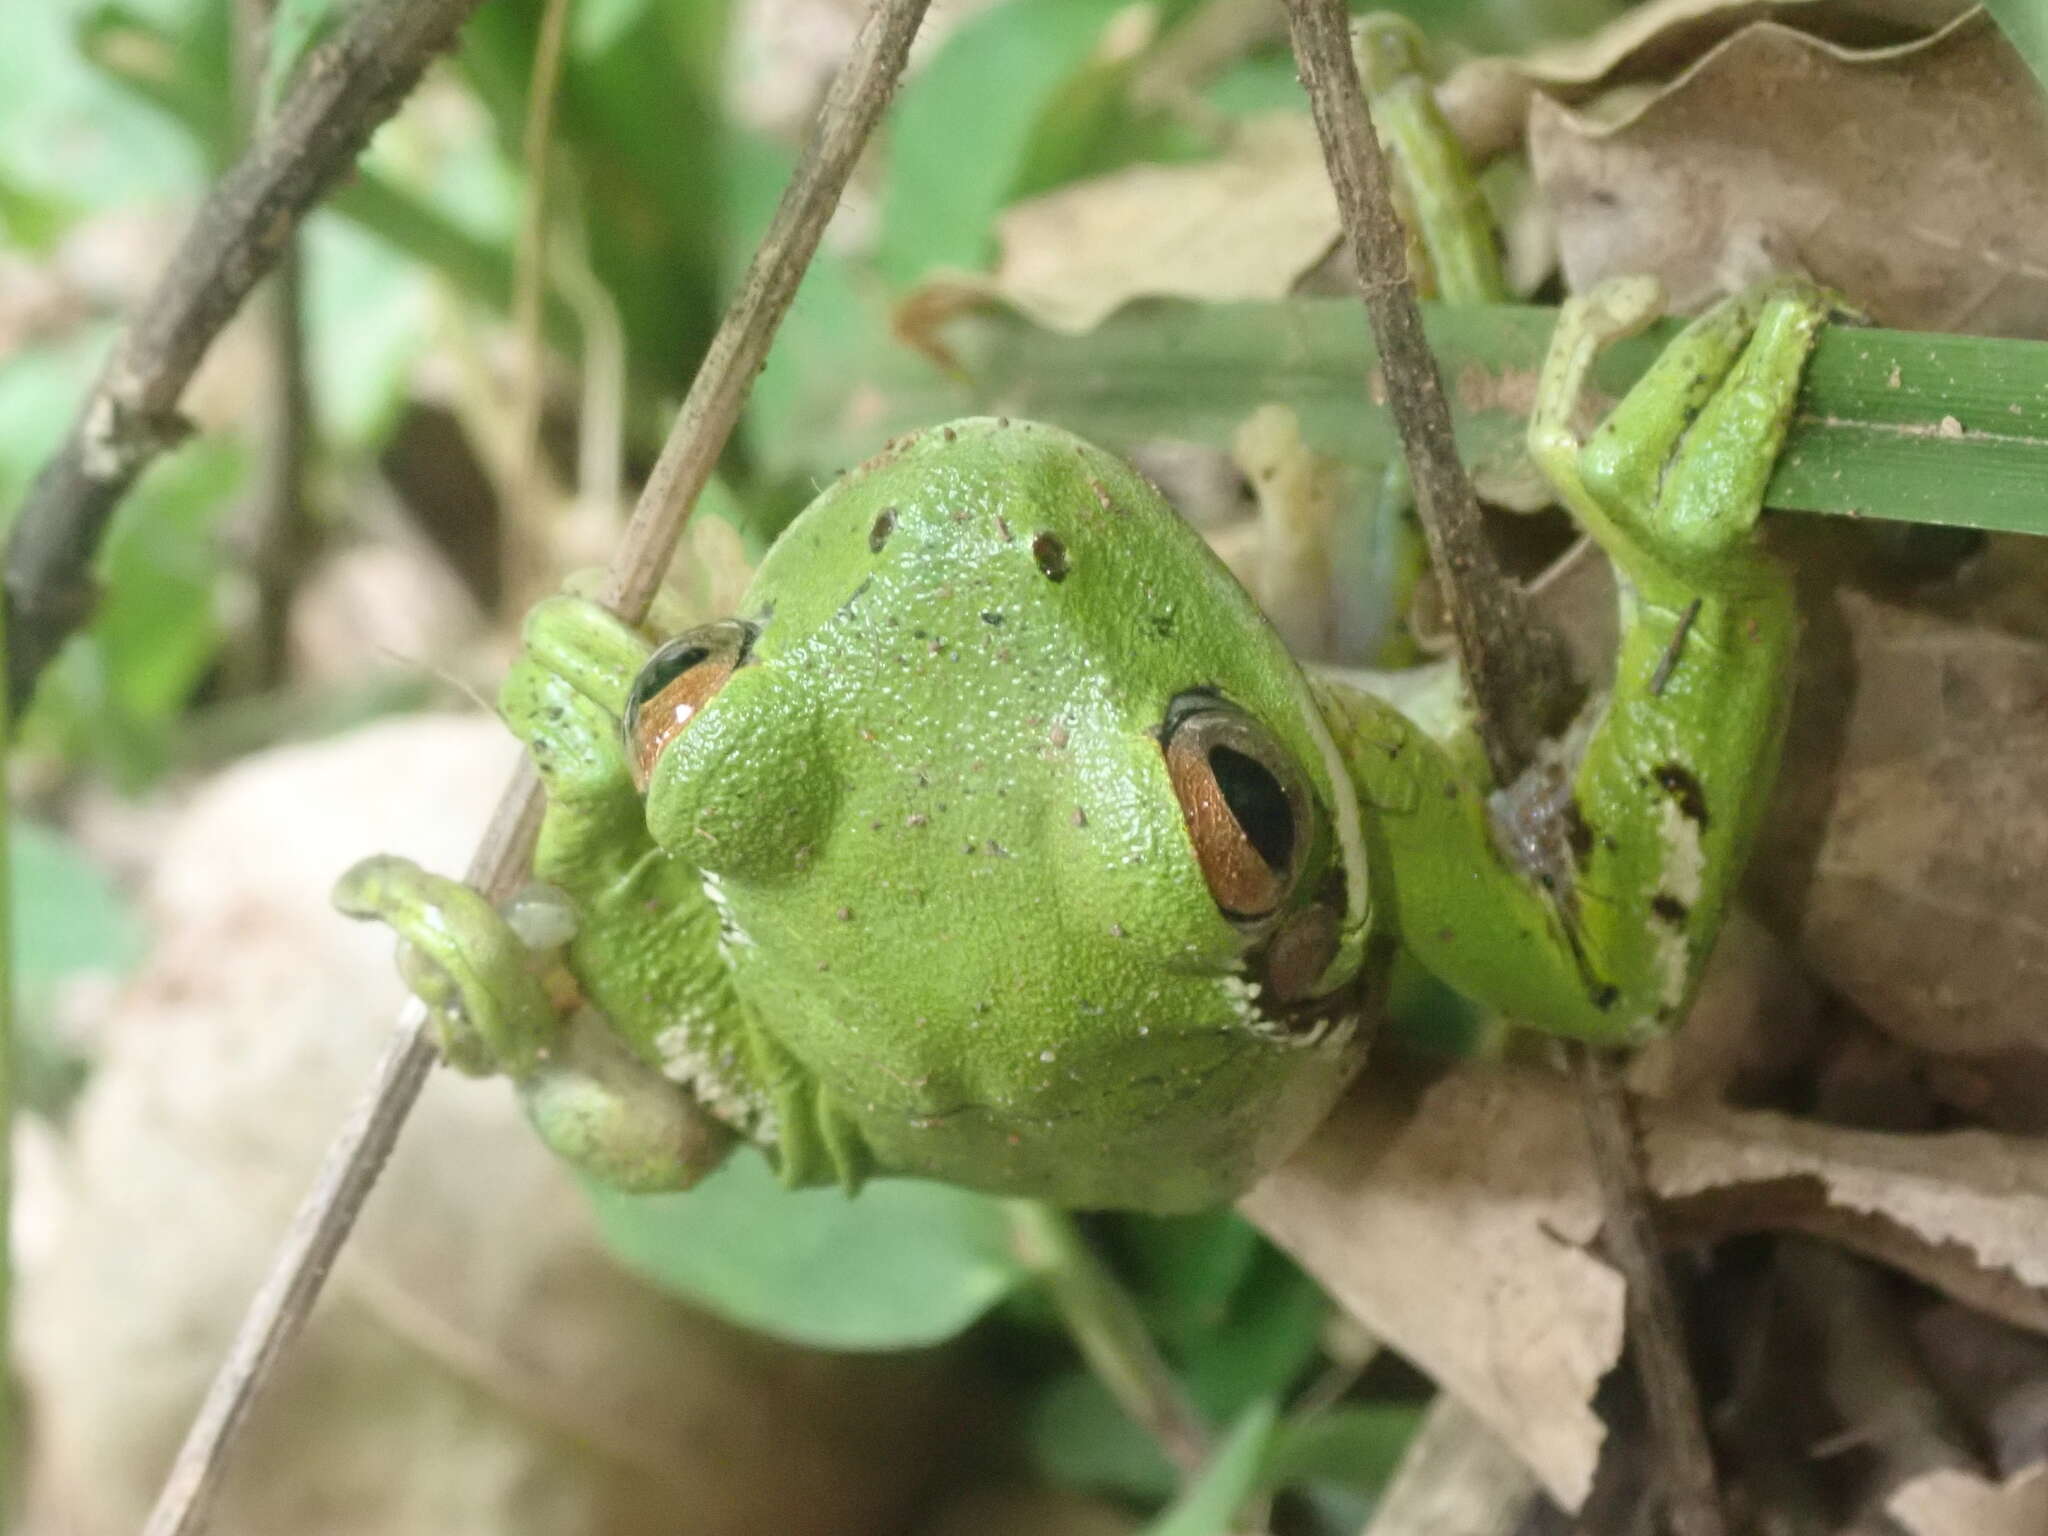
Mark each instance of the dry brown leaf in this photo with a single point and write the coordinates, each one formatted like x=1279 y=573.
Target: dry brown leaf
x=1245 y=225
x=1657 y=40
x=1457 y=1229
x=1907 y=849
x=1487 y=100
x=1914 y=178
x=1957 y=1503
x=1459 y=1235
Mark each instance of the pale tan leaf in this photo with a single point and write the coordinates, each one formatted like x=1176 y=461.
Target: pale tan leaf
x=1245 y=225
x=1956 y=1503
x=1459 y=1226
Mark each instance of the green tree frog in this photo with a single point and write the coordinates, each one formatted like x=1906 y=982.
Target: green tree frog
x=998 y=839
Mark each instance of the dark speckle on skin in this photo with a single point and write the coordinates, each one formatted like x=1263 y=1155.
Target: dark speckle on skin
x=1606 y=997
x=885 y=524
x=1669 y=909
x=1680 y=783
x=990 y=616
x=1578 y=835
x=1051 y=556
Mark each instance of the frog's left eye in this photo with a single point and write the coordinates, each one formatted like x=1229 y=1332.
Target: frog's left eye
x=1246 y=805
x=679 y=679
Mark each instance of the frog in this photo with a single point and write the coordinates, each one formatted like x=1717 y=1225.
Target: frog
x=998 y=838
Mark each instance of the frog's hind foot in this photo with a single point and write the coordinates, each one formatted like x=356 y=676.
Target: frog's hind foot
x=1673 y=480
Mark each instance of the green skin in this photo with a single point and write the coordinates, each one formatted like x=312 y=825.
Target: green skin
x=913 y=893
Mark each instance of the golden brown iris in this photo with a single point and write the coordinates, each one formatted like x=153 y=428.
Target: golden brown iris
x=1247 y=809
x=679 y=679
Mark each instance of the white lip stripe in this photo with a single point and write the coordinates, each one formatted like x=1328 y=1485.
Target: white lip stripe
x=1350 y=829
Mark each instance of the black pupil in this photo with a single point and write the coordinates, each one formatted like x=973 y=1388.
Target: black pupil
x=1257 y=801
x=664 y=668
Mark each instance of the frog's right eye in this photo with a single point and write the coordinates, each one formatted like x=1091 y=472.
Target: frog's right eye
x=679 y=679
x=1248 y=812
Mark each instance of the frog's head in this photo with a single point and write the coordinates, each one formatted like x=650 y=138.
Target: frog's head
x=1031 y=846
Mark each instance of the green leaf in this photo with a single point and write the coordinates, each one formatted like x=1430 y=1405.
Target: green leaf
x=2025 y=24
x=904 y=1265
x=638 y=137
x=1273 y=1334
x=1187 y=1269
x=115 y=689
x=1211 y=1503
x=369 y=317
x=837 y=324
x=69 y=135
x=69 y=917
x=1358 y=1445
x=68 y=920
x=183 y=67
x=1080 y=1438
x=965 y=126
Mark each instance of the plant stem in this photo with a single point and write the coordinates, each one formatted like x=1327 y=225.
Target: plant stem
x=130 y=416
x=1520 y=685
x=1656 y=1331
x=357 y=1155
x=1516 y=672
x=1112 y=1337
x=522 y=530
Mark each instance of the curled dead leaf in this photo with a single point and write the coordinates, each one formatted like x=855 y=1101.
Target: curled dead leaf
x=1912 y=178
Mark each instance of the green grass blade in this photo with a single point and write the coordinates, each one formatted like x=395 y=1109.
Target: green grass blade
x=1907 y=426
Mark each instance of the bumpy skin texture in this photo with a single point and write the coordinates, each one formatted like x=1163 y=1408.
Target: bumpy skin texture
x=957 y=884
x=912 y=892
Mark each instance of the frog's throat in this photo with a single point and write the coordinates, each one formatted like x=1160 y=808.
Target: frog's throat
x=1349 y=822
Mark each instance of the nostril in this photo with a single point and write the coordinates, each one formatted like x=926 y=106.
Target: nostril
x=1051 y=556
x=878 y=535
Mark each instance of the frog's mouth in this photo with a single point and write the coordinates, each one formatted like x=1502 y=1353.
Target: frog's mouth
x=1285 y=1005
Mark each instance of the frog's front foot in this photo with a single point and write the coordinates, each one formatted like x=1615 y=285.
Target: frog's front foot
x=480 y=980
x=500 y=1000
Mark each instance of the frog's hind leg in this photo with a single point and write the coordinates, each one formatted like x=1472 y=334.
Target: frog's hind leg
x=1673 y=780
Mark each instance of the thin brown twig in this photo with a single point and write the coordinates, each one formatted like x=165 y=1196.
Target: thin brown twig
x=344 y=90
x=358 y=1153
x=1519 y=681
x=1516 y=670
x=1656 y=1333
x=523 y=556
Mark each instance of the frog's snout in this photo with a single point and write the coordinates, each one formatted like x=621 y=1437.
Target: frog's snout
x=746 y=788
